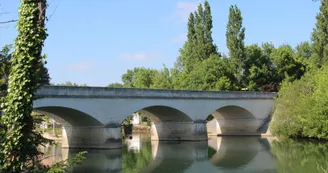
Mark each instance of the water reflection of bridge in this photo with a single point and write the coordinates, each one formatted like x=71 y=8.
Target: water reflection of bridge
x=226 y=154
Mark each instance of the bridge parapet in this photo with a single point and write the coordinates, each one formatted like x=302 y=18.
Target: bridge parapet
x=105 y=92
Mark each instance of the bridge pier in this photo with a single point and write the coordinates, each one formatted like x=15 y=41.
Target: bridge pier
x=92 y=137
x=179 y=131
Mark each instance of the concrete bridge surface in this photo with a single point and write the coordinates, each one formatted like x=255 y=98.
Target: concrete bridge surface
x=91 y=116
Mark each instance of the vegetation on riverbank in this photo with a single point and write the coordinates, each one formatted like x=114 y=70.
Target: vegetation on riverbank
x=302 y=106
x=300 y=155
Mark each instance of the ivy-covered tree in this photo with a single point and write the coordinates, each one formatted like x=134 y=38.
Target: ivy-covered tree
x=19 y=148
x=235 y=36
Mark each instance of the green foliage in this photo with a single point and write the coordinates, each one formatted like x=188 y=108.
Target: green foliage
x=235 y=36
x=162 y=79
x=137 y=161
x=258 y=69
x=201 y=67
x=302 y=107
x=304 y=53
x=116 y=85
x=5 y=65
x=19 y=147
x=294 y=156
x=63 y=166
x=287 y=65
x=5 y=62
x=68 y=83
x=139 y=78
x=320 y=35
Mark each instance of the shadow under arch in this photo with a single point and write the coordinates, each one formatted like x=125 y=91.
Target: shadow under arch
x=233 y=120
x=80 y=130
x=68 y=116
x=160 y=113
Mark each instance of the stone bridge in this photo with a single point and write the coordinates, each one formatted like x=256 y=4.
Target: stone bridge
x=91 y=116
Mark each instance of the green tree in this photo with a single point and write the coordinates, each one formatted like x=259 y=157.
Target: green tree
x=116 y=85
x=235 y=36
x=5 y=65
x=287 y=65
x=198 y=47
x=301 y=107
x=258 y=69
x=68 y=83
x=320 y=36
x=139 y=78
x=162 y=79
x=304 y=53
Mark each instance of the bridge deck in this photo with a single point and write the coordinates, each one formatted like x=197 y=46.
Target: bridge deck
x=105 y=92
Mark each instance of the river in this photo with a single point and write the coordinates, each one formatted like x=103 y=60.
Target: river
x=219 y=154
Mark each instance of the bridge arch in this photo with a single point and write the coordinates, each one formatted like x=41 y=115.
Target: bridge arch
x=80 y=130
x=160 y=113
x=233 y=120
x=169 y=123
x=68 y=116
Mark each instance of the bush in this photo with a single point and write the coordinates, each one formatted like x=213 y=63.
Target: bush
x=302 y=107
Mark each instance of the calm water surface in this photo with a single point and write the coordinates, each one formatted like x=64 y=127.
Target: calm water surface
x=219 y=154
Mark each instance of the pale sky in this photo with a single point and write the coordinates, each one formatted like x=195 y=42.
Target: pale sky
x=96 y=41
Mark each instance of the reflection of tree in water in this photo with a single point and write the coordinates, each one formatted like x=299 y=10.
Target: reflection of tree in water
x=300 y=156
x=136 y=161
x=211 y=152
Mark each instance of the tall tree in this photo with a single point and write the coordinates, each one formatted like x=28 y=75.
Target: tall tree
x=210 y=47
x=198 y=47
x=188 y=57
x=235 y=36
x=320 y=35
x=19 y=148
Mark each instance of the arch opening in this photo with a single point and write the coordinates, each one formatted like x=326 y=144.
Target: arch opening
x=69 y=116
x=232 y=120
x=79 y=129
x=171 y=124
